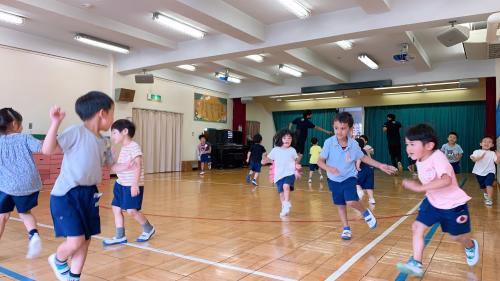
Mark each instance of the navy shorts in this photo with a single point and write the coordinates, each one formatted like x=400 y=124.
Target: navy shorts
x=313 y=167
x=411 y=161
x=366 y=178
x=22 y=203
x=255 y=166
x=205 y=158
x=77 y=212
x=343 y=191
x=485 y=181
x=456 y=167
x=453 y=221
x=300 y=147
x=123 y=197
x=286 y=180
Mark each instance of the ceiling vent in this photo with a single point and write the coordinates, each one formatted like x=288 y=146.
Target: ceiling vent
x=476 y=48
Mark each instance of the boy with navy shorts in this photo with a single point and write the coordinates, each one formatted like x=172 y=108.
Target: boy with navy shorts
x=129 y=188
x=254 y=157
x=366 y=177
x=484 y=168
x=338 y=157
x=453 y=152
x=315 y=150
x=204 y=150
x=74 y=201
x=445 y=202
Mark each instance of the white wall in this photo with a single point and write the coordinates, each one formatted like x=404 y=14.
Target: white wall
x=257 y=112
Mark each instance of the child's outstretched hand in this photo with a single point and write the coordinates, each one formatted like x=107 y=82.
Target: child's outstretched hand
x=298 y=166
x=388 y=169
x=455 y=159
x=332 y=170
x=412 y=185
x=57 y=115
x=134 y=190
x=497 y=153
x=113 y=153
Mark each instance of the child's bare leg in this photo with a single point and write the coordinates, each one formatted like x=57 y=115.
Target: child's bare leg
x=137 y=215
x=358 y=188
x=489 y=190
x=3 y=220
x=79 y=257
x=370 y=193
x=357 y=205
x=418 y=240
x=256 y=175
x=319 y=171
x=28 y=220
x=343 y=215
x=202 y=166
x=119 y=221
x=286 y=192
x=311 y=174
x=282 y=196
x=70 y=247
x=464 y=239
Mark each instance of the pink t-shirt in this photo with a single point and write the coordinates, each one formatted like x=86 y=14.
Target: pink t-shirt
x=433 y=168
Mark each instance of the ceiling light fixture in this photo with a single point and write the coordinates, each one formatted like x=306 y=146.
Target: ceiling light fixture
x=436 y=84
x=344 y=44
x=290 y=70
x=179 y=25
x=414 y=92
x=187 y=67
x=229 y=78
x=341 y=97
x=277 y=97
x=11 y=18
x=101 y=43
x=369 y=62
x=298 y=100
x=257 y=58
x=394 y=87
x=296 y=8
x=318 y=93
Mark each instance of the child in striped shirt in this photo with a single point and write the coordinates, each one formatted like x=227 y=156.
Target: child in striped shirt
x=129 y=188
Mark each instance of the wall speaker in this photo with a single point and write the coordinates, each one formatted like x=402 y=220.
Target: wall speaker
x=246 y=100
x=124 y=95
x=453 y=36
x=469 y=83
x=144 y=79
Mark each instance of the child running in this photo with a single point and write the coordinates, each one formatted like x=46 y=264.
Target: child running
x=484 y=168
x=453 y=151
x=129 y=188
x=366 y=176
x=254 y=157
x=338 y=158
x=74 y=201
x=285 y=161
x=20 y=181
x=445 y=202
x=204 y=150
x=369 y=150
x=313 y=161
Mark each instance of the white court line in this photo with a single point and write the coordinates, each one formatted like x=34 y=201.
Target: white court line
x=185 y=257
x=368 y=247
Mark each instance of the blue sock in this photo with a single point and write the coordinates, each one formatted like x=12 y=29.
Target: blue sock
x=347 y=228
x=366 y=213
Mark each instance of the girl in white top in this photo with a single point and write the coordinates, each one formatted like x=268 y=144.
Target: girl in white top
x=369 y=150
x=484 y=168
x=284 y=167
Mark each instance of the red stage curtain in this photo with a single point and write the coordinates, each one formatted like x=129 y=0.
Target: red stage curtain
x=491 y=107
x=239 y=116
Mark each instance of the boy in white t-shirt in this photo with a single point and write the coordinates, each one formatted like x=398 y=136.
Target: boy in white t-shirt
x=129 y=188
x=484 y=168
x=369 y=150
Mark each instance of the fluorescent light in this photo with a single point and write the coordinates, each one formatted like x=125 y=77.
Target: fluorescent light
x=179 y=25
x=395 y=87
x=187 y=67
x=344 y=44
x=296 y=8
x=318 y=93
x=298 y=100
x=257 y=58
x=436 y=84
x=286 y=96
x=366 y=60
x=414 y=92
x=101 y=43
x=290 y=70
x=341 y=97
x=11 y=18
x=229 y=78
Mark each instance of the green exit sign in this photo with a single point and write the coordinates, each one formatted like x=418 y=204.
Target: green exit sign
x=154 y=97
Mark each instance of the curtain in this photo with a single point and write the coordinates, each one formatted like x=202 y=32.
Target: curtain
x=239 y=116
x=491 y=106
x=322 y=118
x=159 y=135
x=467 y=119
x=252 y=128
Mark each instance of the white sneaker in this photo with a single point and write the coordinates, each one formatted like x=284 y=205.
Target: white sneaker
x=210 y=166
x=285 y=209
x=346 y=234
x=115 y=240
x=415 y=174
x=371 y=220
x=371 y=201
x=320 y=176
x=472 y=254
x=202 y=173
x=485 y=196
x=34 y=246
x=489 y=202
x=146 y=236
x=61 y=271
x=412 y=267
x=310 y=180
x=360 y=194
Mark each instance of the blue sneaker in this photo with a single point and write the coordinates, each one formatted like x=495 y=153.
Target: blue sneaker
x=146 y=236
x=61 y=270
x=346 y=234
x=114 y=241
x=472 y=253
x=254 y=183
x=249 y=178
x=371 y=220
x=412 y=267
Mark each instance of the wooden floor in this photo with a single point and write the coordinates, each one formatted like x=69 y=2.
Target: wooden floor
x=217 y=227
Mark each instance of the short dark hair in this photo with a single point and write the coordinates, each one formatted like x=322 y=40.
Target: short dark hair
x=202 y=136
x=122 y=124
x=307 y=112
x=365 y=137
x=344 y=117
x=89 y=104
x=279 y=136
x=314 y=140
x=453 y=133
x=392 y=116
x=7 y=116
x=489 y=137
x=424 y=133
x=361 y=143
x=257 y=138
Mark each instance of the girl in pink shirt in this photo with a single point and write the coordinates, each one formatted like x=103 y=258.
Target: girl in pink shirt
x=445 y=202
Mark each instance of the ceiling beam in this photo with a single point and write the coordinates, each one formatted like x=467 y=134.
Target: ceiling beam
x=422 y=61
x=55 y=9
x=314 y=63
x=249 y=72
x=374 y=6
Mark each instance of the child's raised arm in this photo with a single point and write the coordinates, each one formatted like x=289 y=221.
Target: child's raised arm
x=476 y=159
x=50 y=145
x=444 y=181
x=266 y=160
x=384 y=167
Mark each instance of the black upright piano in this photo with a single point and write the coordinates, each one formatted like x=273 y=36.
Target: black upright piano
x=228 y=148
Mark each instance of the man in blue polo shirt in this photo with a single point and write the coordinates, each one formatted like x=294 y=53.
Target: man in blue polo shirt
x=303 y=125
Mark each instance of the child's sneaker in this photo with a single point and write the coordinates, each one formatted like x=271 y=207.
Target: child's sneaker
x=115 y=240
x=472 y=253
x=320 y=177
x=210 y=166
x=60 y=270
x=285 y=210
x=370 y=219
x=254 y=182
x=371 y=201
x=310 y=180
x=360 y=194
x=34 y=246
x=249 y=178
x=412 y=267
x=146 y=236
x=346 y=234
x=489 y=202
x=202 y=172
x=485 y=196
x=415 y=174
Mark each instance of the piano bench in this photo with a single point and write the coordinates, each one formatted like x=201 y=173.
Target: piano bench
x=187 y=166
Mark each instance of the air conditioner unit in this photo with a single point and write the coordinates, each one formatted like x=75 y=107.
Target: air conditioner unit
x=246 y=100
x=453 y=36
x=476 y=48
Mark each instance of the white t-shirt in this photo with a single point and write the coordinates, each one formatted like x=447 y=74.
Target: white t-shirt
x=486 y=165
x=284 y=161
x=368 y=148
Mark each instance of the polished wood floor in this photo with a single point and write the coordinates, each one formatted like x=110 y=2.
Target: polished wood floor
x=217 y=227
